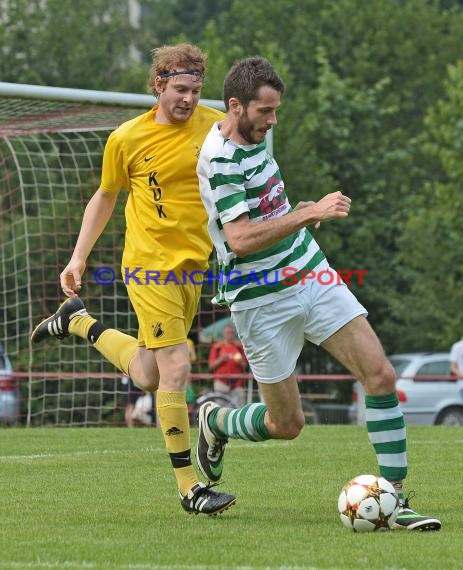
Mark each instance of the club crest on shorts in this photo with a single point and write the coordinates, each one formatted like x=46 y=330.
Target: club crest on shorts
x=157 y=330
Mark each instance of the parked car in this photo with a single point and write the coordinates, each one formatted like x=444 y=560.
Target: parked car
x=428 y=394
x=9 y=391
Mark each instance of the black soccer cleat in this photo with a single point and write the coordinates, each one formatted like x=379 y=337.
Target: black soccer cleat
x=202 y=499
x=211 y=448
x=57 y=325
x=407 y=519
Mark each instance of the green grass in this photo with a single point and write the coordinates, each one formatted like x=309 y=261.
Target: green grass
x=106 y=499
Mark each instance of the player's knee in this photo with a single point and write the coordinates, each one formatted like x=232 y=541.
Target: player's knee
x=382 y=381
x=387 y=377
x=291 y=428
x=179 y=374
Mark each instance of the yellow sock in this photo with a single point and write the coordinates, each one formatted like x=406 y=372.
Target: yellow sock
x=117 y=347
x=173 y=417
x=79 y=326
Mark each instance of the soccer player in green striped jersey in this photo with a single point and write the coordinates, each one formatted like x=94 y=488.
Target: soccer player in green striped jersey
x=281 y=290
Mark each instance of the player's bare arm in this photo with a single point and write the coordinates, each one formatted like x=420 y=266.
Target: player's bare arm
x=245 y=236
x=97 y=214
x=304 y=205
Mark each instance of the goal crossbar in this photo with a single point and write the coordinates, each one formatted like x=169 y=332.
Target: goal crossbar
x=37 y=108
x=23 y=90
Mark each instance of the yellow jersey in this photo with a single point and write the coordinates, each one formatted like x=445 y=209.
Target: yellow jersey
x=166 y=223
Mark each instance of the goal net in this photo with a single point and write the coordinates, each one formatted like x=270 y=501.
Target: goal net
x=51 y=146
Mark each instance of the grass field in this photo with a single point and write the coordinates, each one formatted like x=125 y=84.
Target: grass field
x=106 y=499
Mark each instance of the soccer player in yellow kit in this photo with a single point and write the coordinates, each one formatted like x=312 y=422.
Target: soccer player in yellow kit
x=153 y=157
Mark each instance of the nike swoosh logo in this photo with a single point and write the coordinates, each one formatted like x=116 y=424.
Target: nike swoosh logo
x=148 y=158
x=249 y=175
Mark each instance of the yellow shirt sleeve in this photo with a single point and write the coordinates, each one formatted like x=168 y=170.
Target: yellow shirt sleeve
x=115 y=173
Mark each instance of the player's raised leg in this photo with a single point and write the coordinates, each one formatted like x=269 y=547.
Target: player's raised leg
x=281 y=417
x=72 y=318
x=122 y=350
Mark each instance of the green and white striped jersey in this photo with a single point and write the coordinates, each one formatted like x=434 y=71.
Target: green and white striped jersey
x=236 y=179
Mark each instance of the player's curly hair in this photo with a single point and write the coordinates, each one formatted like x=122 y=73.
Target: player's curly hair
x=173 y=58
x=247 y=76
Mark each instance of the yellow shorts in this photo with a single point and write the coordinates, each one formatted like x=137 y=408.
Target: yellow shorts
x=165 y=313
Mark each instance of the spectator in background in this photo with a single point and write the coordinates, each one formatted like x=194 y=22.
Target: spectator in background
x=456 y=359
x=227 y=357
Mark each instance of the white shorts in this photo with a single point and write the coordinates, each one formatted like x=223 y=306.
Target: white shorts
x=273 y=335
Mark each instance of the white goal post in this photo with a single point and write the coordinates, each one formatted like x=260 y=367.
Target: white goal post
x=51 y=145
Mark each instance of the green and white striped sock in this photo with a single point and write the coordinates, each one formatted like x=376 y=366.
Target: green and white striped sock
x=386 y=431
x=243 y=423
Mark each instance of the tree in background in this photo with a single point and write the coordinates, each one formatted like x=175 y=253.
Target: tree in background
x=163 y=20
x=431 y=244
x=85 y=44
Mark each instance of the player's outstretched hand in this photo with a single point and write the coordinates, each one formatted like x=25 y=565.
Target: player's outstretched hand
x=71 y=278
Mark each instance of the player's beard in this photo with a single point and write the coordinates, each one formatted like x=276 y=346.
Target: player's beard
x=248 y=131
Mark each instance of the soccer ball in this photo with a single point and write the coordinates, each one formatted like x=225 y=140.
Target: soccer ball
x=368 y=503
